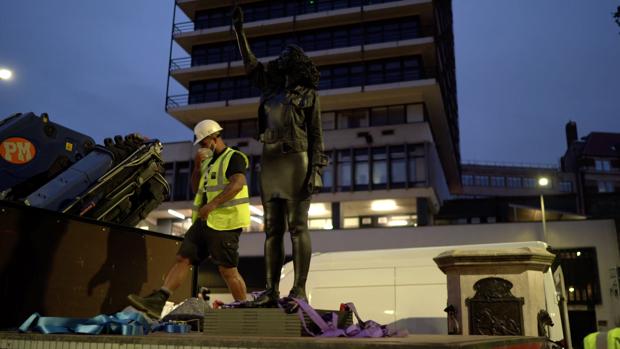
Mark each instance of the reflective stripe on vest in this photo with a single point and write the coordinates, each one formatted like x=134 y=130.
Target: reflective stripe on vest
x=234 y=213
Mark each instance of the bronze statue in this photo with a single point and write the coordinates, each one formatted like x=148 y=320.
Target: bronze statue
x=289 y=121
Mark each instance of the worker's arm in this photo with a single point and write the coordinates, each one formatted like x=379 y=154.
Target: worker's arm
x=236 y=183
x=195 y=180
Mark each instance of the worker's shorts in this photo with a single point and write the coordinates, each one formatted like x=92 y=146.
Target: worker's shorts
x=202 y=242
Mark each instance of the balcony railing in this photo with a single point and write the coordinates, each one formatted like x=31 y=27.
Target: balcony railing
x=180 y=100
x=183 y=27
x=180 y=63
x=266 y=12
x=230 y=54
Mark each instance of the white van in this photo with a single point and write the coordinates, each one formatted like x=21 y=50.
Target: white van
x=400 y=287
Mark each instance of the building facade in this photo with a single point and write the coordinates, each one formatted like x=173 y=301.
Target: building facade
x=388 y=97
x=594 y=161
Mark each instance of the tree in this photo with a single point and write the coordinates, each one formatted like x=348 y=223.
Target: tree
x=617 y=16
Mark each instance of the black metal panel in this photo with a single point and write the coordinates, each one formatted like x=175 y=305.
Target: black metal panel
x=60 y=265
x=494 y=310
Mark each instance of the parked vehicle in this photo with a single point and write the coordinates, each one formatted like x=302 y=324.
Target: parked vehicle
x=400 y=287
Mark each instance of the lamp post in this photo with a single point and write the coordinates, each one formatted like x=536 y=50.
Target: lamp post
x=543 y=182
x=5 y=74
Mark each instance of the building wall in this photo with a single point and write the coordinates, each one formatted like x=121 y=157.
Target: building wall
x=387 y=79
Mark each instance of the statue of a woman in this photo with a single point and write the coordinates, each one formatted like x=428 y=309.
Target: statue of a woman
x=289 y=121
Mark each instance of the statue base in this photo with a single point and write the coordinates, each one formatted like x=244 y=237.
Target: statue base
x=264 y=322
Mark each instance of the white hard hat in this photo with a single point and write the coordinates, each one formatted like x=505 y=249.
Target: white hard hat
x=204 y=129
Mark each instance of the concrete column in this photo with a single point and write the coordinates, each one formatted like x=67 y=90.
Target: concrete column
x=423 y=212
x=336 y=220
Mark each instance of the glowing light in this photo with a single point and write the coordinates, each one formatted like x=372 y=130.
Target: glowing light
x=144 y=227
x=5 y=74
x=397 y=223
x=571 y=289
x=383 y=205
x=328 y=225
x=578 y=253
x=317 y=209
x=388 y=312
x=176 y=214
x=543 y=181
x=257 y=211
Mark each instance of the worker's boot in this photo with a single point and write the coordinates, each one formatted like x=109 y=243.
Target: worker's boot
x=152 y=304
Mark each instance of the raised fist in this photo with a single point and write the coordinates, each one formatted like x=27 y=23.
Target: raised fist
x=237 y=18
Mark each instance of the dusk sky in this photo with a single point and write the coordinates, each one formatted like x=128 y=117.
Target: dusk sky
x=524 y=68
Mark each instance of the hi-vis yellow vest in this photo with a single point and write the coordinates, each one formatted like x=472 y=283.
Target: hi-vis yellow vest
x=232 y=214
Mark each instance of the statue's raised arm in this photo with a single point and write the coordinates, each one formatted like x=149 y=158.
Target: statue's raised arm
x=249 y=60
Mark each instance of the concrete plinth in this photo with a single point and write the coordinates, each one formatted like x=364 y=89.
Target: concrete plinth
x=521 y=267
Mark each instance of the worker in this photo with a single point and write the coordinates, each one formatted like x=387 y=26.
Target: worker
x=217 y=221
x=604 y=339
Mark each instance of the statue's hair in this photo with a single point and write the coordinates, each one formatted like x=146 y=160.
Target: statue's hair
x=300 y=69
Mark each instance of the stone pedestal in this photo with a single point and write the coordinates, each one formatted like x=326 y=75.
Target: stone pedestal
x=507 y=280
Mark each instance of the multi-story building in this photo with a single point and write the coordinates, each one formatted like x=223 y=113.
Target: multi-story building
x=388 y=96
x=586 y=183
x=594 y=161
x=507 y=192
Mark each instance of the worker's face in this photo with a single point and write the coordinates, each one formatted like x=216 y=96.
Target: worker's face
x=208 y=142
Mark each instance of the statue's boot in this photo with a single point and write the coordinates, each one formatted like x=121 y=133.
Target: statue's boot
x=302 y=247
x=275 y=226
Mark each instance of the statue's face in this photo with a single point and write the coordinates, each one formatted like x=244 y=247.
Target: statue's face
x=285 y=59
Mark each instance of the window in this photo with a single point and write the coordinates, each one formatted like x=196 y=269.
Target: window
x=328 y=121
x=605 y=187
x=396 y=115
x=328 y=176
x=169 y=175
x=341 y=77
x=351 y=222
x=497 y=181
x=514 y=182
x=566 y=186
x=415 y=113
x=320 y=224
x=181 y=182
x=379 y=168
x=248 y=128
x=481 y=181
x=398 y=168
x=230 y=129
x=379 y=116
x=353 y=118
x=602 y=165
x=416 y=166
x=468 y=180
x=581 y=278
x=361 y=169
x=254 y=183
x=344 y=170
x=529 y=182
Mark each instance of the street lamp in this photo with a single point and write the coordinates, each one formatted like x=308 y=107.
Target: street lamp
x=543 y=183
x=5 y=74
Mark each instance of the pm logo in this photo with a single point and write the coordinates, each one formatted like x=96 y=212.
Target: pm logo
x=17 y=150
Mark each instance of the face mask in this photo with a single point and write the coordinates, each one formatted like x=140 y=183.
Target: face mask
x=205 y=153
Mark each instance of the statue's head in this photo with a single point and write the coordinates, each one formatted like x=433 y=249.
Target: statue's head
x=294 y=63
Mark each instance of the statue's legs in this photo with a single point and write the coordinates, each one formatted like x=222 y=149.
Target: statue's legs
x=275 y=226
x=302 y=246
